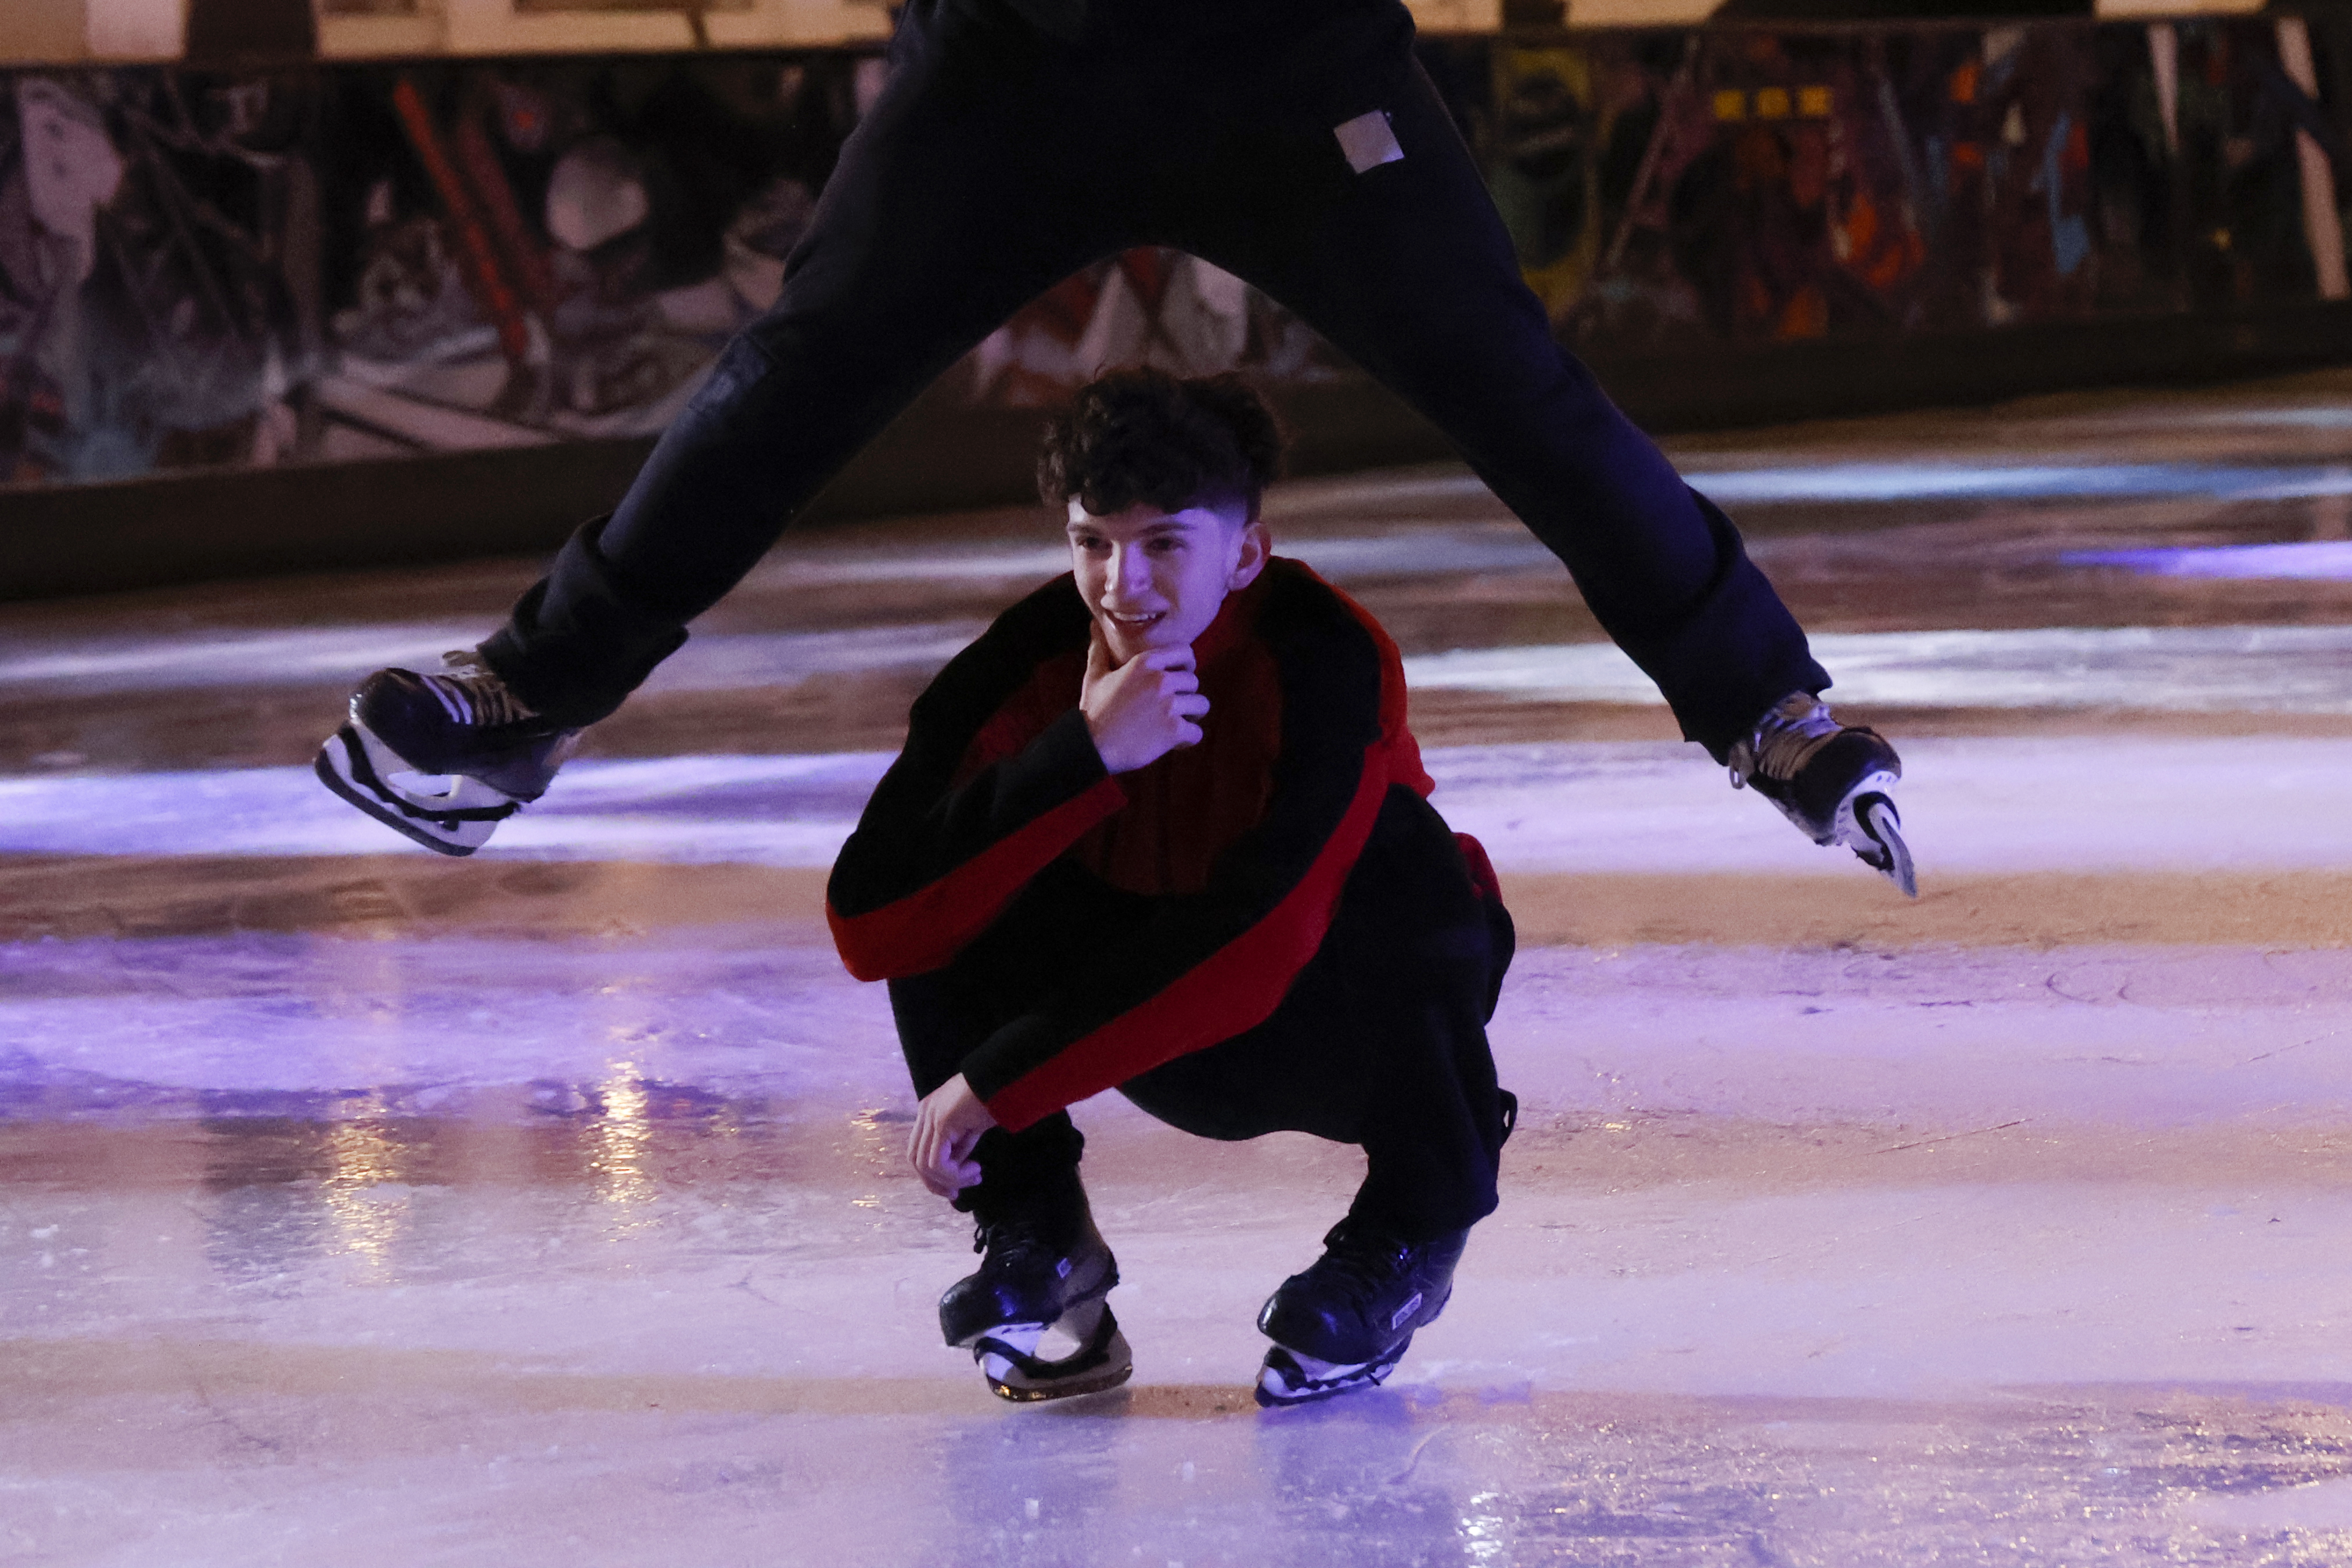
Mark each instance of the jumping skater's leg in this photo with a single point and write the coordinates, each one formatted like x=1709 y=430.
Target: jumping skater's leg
x=948 y=210
x=955 y=202
x=1409 y=271
x=1406 y=267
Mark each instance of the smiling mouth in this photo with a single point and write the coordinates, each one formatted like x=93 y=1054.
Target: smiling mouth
x=1135 y=623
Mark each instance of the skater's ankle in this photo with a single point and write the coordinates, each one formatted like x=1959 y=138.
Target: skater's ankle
x=1370 y=1218
x=1056 y=1206
x=1784 y=738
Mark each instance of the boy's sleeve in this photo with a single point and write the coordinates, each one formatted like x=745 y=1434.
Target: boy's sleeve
x=934 y=859
x=1210 y=965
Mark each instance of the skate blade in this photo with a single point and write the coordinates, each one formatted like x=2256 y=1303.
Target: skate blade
x=1893 y=860
x=1290 y=1377
x=1868 y=824
x=1019 y=1390
x=1014 y=1371
x=354 y=766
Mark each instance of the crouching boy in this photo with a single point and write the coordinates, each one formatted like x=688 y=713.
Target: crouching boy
x=1163 y=829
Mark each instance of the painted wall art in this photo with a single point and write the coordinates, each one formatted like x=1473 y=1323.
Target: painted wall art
x=201 y=269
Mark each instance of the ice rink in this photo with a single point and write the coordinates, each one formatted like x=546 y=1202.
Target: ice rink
x=359 y=1206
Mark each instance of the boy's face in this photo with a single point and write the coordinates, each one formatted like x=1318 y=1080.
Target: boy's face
x=1154 y=578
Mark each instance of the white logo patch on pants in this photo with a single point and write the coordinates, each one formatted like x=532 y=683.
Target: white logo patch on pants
x=1368 y=142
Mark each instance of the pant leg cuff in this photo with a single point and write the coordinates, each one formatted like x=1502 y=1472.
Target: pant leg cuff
x=577 y=642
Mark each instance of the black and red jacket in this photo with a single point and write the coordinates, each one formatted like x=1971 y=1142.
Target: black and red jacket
x=1241 y=843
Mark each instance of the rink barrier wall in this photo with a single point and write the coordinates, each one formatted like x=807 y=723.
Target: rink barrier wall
x=265 y=319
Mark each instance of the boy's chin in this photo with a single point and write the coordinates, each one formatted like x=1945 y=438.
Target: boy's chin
x=1127 y=644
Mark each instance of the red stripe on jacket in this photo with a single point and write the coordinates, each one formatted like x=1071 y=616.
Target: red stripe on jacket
x=1236 y=989
x=932 y=925
x=1221 y=990
x=1239 y=986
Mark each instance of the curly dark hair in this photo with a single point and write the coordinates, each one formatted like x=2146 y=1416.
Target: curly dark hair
x=1145 y=436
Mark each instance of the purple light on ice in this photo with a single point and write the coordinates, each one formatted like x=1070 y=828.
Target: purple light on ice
x=2313 y=559
x=1961 y=481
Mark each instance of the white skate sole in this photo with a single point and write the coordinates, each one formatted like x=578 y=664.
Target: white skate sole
x=1868 y=824
x=449 y=813
x=1293 y=1377
x=1098 y=1360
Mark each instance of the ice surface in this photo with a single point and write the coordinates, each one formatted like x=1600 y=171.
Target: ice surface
x=2018 y=481
x=2308 y=560
x=2262 y=670
x=550 y=1207
x=760 y=1017
x=1970 y=806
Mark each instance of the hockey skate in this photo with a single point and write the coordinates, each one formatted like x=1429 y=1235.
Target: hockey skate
x=1833 y=781
x=444 y=758
x=1346 y=1323
x=1043 y=1271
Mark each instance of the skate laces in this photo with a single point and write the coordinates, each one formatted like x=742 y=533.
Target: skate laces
x=471 y=694
x=1791 y=731
x=1009 y=1243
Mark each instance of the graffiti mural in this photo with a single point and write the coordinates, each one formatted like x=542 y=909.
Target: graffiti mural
x=1843 y=185
x=561 y=249
x=204 y=269
x=368 y=262
x=1161 y=308
x=1745 y=186
x=157 y=272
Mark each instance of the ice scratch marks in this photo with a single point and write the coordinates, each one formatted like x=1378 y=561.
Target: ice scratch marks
x=2281 y=1050
x=1948 y=1137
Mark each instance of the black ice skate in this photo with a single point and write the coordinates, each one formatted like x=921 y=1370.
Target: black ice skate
x=1346 y=1322
x=1044 y=1269
x=442 y=758
x=1831 y=780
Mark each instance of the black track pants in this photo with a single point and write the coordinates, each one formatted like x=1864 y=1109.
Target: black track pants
x=1381 y=1042
x=997 y=161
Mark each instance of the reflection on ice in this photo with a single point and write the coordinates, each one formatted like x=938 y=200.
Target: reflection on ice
x=2258 y=669
x=1012 y=1494
x=1968 y=804
x=296 y=655
x=1755 y=478
x=622 y=1133
x=364 y=1194
x=789 y=810
x=1949 y=481
x=2323 y=560
x=261 y=1027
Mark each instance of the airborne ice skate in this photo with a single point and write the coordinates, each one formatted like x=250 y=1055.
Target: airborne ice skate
x=1833 y=781
x=1346 y=1323
x=442 y=759
x=1045 y=1270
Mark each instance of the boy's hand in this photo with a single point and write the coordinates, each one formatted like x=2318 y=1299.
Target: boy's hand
x=1140 y=712
x=947 y=1124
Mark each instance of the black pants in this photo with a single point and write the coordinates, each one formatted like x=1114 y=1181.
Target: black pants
x=997 y=161
x=1381 y=1042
